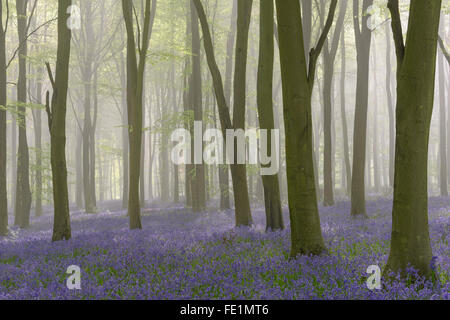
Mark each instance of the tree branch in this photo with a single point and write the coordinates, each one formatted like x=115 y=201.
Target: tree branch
x=26 y=39
x=443 y=49
x=356 y=20
x=50 y=75
x=397 y=31
x=315 y=52
x=47 y=109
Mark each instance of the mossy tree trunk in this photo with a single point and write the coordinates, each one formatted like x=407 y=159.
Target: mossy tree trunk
x=241 y=200
x=239 y=171
x=410 y=240
x=272 y=199
x=298 y=82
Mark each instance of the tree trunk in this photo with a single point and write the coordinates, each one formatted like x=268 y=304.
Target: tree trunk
x=410 y=240
x=375 y=148
x=198 y=176
x=224 y=173
x=125 y=130
x=272 y=199
x=390 y=106
x=38 y=146
x=442 y=124
x=23 y=192
x=3 y=145
x=363 y=39
x=329 y=56
x=135 y=77
x=241 y=200
x=57 y=124
x=239 y=171
x=306 y=235
x=88 y=171
x=348 y=170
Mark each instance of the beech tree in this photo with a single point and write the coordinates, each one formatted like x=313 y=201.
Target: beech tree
x=238 y=172
x=416 y=65
x=135 y=76
x=298 y=83
x=329 y=56
x=56 y=112
x=23 y=192
x=363 y=40
x=272 y=198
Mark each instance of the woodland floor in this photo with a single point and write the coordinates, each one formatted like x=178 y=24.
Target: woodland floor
x=181 y=255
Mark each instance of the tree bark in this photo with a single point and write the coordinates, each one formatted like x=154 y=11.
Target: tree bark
x=272 y=199
x=363 y=40
x=306 y=235
x=329 y=56
x=442 y=125
x=410 y=240
x=224 y=174
x=239 y=171
x=88 y=171
x=241 y=200
x=135 y=77
x=56 y=111
x=23 y=191
x=3 y=140
x=348 y=170
x=390 y=106
x=38 y=146
x=198 y=192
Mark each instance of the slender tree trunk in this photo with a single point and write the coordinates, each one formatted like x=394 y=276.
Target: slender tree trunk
x=241 y=200
x=88 y=171
x=79 y=170
x=56 y=111
x=198 y=177
x=135 y=79
x=93 y=183
x=390 y=106
x=23 y=192
x=363 y=39
x=442 y=124
x=125 y=142
x=3 y=144
x=13 y=153
x=38 y=146
x=328 y=190
x=329 y=57
x=348 y=170
x=410 y=240
x=187 y=102
x=224 y=175
x=239 y=171
x=150 y=154
x=375 y=148
x=272 y=199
